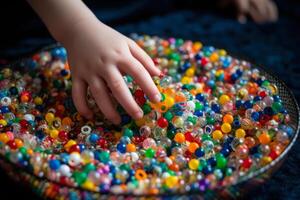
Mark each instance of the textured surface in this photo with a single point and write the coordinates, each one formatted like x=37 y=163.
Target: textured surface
x=275 y=46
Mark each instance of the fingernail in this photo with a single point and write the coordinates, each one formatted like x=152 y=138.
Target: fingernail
x=157 y=98
x=139 y=114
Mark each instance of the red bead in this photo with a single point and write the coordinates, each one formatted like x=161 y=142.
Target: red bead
x=63 y=135
x=139 y=93
x=24 y=124
x=273 y=155
x=74 y=148
x=204 y=61
x=162 y=122
x=102 y=143
x=12 y=144
x=262 y=94
x=140 y=100
x=247 y=163
x=189 y=137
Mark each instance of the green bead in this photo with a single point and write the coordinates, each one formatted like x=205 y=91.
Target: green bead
x=210 y=120
x=125 y=167
x=179 y=42
x=199 y=106
x=168 y=115
x=128 y=132
x=175 y=56
x=163 y=97
x=79 y=177
x=265 y=83
x=206 y=137
x=221 y=161
x=277 y=107
x=171 y=134
x=149 y=153
x=129 y=78
x=104 y=157
x=23 y=150
x=146 y=108
x=192 y=119
x=89 y=167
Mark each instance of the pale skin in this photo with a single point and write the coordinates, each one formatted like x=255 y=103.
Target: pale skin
x=99 y=55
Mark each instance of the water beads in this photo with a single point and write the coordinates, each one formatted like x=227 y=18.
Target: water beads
x=218 y=120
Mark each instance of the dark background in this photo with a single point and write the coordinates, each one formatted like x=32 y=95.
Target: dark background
x=274 y=46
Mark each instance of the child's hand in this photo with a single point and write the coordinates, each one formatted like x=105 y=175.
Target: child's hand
x=98 y=57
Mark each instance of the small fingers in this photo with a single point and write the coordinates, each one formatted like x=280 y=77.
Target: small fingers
x=79 y=92
x=103 y=100
x=142 y=78
x=143 y=57
x=121 y=92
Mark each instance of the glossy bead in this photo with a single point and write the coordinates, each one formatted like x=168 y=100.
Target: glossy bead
x=194 y=164
x=240 y=133
x=179 y=138
x=217 y=135
x=226 y=127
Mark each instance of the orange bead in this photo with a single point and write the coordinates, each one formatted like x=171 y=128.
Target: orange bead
x=67 y=121
x=19 y=142
x=179 y=138
x=228 y=118
x=174 y=167
x=130 y=148
x=264 y=138
x=140 y=174
x=193 y=146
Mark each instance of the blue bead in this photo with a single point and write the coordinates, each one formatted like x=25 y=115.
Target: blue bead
x=200 y=97
x=216 y=108
x=81 y=147
x=4 y=109
x=54 y=164
x=255 y=116
x=198 y=113
x=239 y=72
x=239 y=104
x=121 y=147
x=248 y=104
x=207 y=170
x=257 y=98
x=259 y=81
x=212 y=161
x=199 y=152
x=236 y=123
x=234 y=77
x=125 y=119
x=93 y=138
x=198 y=56
x=225 y=151
x=276 y=98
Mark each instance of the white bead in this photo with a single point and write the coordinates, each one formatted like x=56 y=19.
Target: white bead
x=75 y=159
x=29 y=117
x=65 y=170
x=5 y=101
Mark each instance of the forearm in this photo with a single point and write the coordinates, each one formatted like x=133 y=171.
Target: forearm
x=61 y=16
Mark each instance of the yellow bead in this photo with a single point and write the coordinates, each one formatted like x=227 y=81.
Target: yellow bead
x=224 y=99
x=178 y=122
x=266 y=160
x=240 y=133
x=226 y=127
x=4 y=138
x=89 y=185
x=49 y=117
x=169 y=101
x=217 y=135
x=69 y=144
x=54 y=133
x=140 y=122
x=197 y=46
x=186 y=80
x=190 y=72
x=171 y=181
x=222 y=52
x=3 y=122
x=38 y=100
x=194 y=164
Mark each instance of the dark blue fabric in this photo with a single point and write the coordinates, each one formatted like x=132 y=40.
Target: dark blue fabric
x=275 y=46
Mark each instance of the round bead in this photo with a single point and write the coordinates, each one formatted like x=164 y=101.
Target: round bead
x=194 y=164
x=226 y=127
x=217 y=135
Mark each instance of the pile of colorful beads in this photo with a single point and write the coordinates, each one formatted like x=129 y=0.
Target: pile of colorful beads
x=219 y=120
